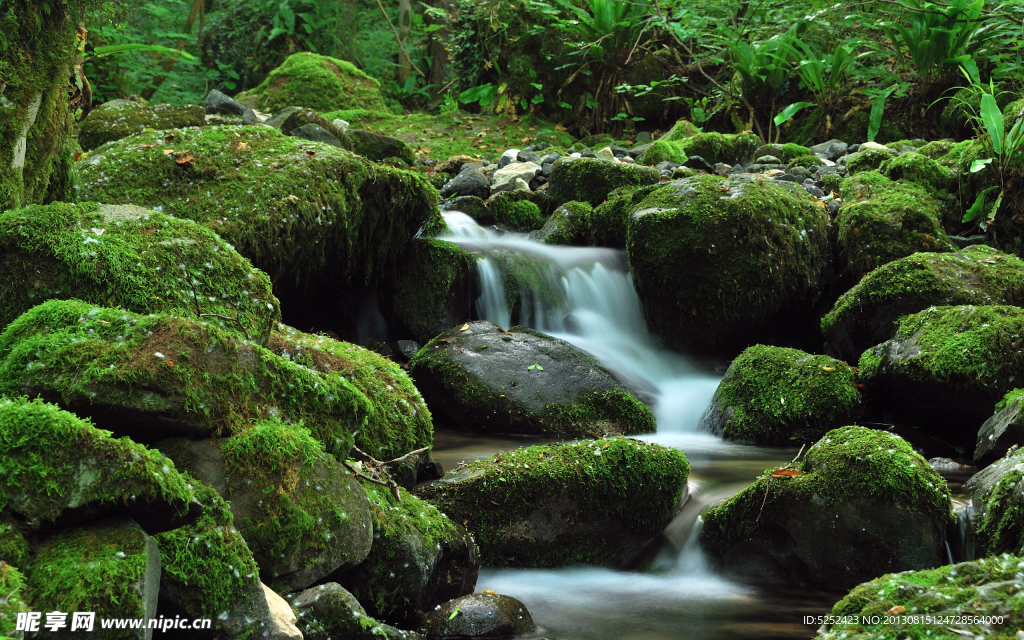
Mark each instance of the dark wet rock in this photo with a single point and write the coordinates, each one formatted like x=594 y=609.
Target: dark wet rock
x=473 y=206
x=523 y=381
x=997 y=495
x=379 y=147
x=289 y=119
x=329 y=611
x=479 y=615
x=217 y=102
x=1003 y=430
x=698 y=163
x=468 y=182
x=316 y=133
x=250 y=118
x=593 y=502
x=569 y=224
x=830 y=150
x=861 y=504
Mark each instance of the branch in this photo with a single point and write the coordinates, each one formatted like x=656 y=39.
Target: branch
x=732 y=95
x=401 y=47
x=769 y=483
x=390 y=484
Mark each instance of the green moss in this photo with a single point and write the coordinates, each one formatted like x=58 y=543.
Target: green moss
x=918 y=169
x=316 y=82
x=13 y=546
x=144 y=261
x=568 y=225
x=791 y=151
x=850 y=463
x=617 y=480
x=780 y=396
x=936 y=149
x=590 y=180
x=595 y=142
x=1002 y=528
x=711 y=257
x=806 y=161
x=292 y=213
x=400 y=421
x=54 y=461
x=100 y=568
x=882 y=220
x=208 y=567
x=193 y=371
x=867 y=313
x=713 y=147
x=867 y=160
x=517 y=214
x=662 y=150
x=16 y=598
x=609 y=221
x=122 y=118
x=958 y=593
x=681 y=130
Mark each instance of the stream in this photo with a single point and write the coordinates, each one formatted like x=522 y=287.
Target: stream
x=584 y=295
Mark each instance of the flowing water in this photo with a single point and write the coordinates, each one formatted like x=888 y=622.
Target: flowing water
x=584 y=295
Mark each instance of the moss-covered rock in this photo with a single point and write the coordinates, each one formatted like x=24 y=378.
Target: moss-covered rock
x=316 y=82
x=329 y=611
x=381 y=148
x=997 y=495
x=960 y=112
x=126 y=256
x=595 y=502
x=806 y=161
x=516 y=213
x=881 y=221
x=419 y=559
x=400 y=421
x=609 y=222
x=590 y=180
x=153 y=377
x=301 y=512
x=664 y=150
x=59 y=469
x=862 y=503
x=569 y=224
x=868 y=160
x=12 y=582
x=713 y=259
x=209 y=572
x=523 y=381
x=781 y=396
x=480 y=615
x=433 y=290
x=291 y=206
x=866 y=314
x=110 y=567
x=896 y=606
x=1005 y=429
x=936 y=149
x=713 y=147
x=947 y=367
x=918 y=169
x=14 y=549
x=121 y=118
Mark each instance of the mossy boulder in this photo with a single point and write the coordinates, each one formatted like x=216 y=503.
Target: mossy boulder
x=316 y=82
x=522 y=381
x=329 y=611
x=14 y=549
x=997 y=495
x=58 y=470
x=381 y=148
x=609 y=221
x=895 y=606
x=866 y=314
x=945 y=368
x=515 y=212
x=881 y=221
x=301 y=512
x=126 y=256
x=568 y=225
x=664 y=151
x=12 y=582
x=862 y=503
x=400 y=421
x=868 y=160
x=293 y=207
x=433 y=290
x=918 y=169
x=590 y=180
x=1005 y=429
x=781 y=396
x=121 y=118
x=936 y=149
x=153 y=377
x=593 y=502
x=480 y=615
x=208 y=571
x=806 y=161
x=110 y=567
x=419 y=559
x=713 y=147
x=713 y=260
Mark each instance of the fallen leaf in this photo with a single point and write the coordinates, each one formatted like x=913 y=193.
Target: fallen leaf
x=293 y=198
x=168 y=152
x=79 y=155
x=820 y=203
x=456 y=612
x=310 y=153
x=242 y=145
x=526 y=139
x=425 y=150
x=170 y=363
x=147 y=146
x=490 y=592
x=786 y=473
x=464 y=327
x=895 y=610
x=559 y=127
x=829 y=368
x=185 y=159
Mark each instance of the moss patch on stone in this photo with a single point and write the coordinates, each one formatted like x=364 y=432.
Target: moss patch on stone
x=144 y=261
x=1002 y=528
x=594 y=485
x=780 y=396
x=662 y=150
x=121 y=118
x=568 y=225
x=55 y=461
x=712 y=258
x=16 y=598
x=517 y=214
x=292 y=206
x=918 y=169
x=609 y=221
x=400 y=421
x=868 y=160
x=806 y=161
x=14 y=548
x=590 y=180
x=316 y=82
x=200 y=378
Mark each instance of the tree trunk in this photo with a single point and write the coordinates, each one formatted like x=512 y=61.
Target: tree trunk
x=404 y=31
x=38 y=40
x=438 y=54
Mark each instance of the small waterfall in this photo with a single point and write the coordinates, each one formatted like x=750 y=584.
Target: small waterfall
x=583 y=295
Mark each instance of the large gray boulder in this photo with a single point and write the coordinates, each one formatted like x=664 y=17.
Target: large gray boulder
x=329 y=611
x=1003 y=430
x=997 y=495
x=480 y=615
x=523 y=381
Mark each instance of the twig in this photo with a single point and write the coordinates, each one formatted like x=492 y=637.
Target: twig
x=769 y=483
x=391 y=484
x=195 y=297
x=401 y=47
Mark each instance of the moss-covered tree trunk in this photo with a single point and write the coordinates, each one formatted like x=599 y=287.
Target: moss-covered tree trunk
x=38 y=43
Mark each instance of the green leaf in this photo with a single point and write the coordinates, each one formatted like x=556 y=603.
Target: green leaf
x=100 y=52
x=790 y=111
x=534 y=366
x=537 y=99
x=877 y=109
x=979 y=205
x=455 y=613
x=978 y=165
x=537 y=85
x=564 y=104
x=995 y=209
x=992 y=116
